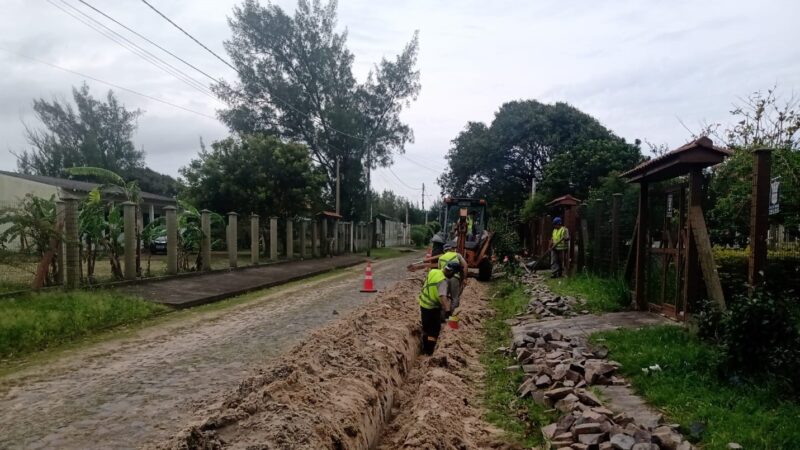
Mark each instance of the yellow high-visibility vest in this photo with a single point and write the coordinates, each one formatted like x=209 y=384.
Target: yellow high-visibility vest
x=446 y=258
x=558 y=238
x=429 y=297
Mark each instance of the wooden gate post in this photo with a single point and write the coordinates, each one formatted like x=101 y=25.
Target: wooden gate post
x=691 y=286
x=759 y=211
x=616 y=199
x=205 y=240
x=233 y=237
x=642 y=244
x=254 y=239
x=598 y=216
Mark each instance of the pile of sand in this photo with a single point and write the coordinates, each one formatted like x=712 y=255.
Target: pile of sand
x=341 y=387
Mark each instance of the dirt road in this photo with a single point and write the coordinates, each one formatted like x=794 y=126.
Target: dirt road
x=142 y=388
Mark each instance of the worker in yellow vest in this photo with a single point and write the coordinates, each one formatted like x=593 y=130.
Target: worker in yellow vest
x=560 y=243
x=456 y=284
x=433 y=302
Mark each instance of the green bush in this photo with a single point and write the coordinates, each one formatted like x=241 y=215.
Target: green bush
x=421 y=235
x=506 y=240
x=782 y=271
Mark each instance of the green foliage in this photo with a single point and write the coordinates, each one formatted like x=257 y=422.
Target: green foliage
x=565 y=150
x=32 y=227
x=506 y=241
x=760 y=120
x=90 y=133
x=33 y=322
x=520 y=418
x=296 y=81
x=600 y=293
x=421 y=235
x=689 y=391
x=756 y=334
x=782 y=271
x=254 y=174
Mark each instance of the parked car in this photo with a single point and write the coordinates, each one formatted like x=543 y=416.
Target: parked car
x=158 y=245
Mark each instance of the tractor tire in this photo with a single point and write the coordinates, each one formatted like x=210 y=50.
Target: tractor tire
x=485 y=270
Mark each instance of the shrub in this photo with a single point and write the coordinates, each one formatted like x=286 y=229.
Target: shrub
x=421 y=235
x=758 y=334
x=506 y=240
x=782 y=271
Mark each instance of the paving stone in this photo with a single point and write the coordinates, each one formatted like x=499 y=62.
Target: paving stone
x=550 y=430
x=622 y=441
x=567 y=404
x=586 y=428
x=558 y=393
x=587 y=397
x=591 y=439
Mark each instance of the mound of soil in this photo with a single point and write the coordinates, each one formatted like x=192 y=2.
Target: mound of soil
x=342 y=385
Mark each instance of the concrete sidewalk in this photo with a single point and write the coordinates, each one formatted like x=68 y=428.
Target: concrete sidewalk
x=184 y=292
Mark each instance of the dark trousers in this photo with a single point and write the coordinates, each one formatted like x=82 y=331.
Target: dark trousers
x=557 y=263
x=431 y=326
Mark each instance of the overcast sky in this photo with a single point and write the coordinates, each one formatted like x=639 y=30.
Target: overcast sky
x=637 y=66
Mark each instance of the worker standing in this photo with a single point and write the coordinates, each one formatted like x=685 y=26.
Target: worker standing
x=560 y=243
x=456 y=284
x=433 y=302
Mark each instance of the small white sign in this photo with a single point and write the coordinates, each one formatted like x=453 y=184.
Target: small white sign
x=774 y=205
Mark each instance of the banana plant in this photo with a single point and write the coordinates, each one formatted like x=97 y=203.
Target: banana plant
x=150 y=233
x=115 y=184
x=33 y=226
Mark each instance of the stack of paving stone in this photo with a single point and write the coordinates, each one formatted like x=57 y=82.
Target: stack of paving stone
x=545 y=304
x=559 y=373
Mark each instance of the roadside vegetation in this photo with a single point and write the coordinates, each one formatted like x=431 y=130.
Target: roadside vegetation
x=713 y=408
x=601 y=294
x=520 y=418
x=32 y=322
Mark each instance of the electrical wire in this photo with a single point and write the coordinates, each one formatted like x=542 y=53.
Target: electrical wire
x=135 y=49
x=317 y=120
x=401 y=181
x=150 y=41
x=116 y=86
x=402 y=155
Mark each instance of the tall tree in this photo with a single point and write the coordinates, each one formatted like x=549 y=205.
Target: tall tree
x=296 y=81
x=93 y=133
x=563 y=149
x=89 y=133
x=254 y=174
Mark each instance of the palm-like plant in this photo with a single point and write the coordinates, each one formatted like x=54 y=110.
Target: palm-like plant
x=34 y=226
x=115 y=184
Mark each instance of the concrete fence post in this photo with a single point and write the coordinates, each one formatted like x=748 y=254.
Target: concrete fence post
x=62 y=248
x=71 y=238
x=172 y=239
x=205 y=242
x=314 y=238
x=596 y=238
x=254 y=238
x=129 y=230
x=303 y=241
x=289 y=238
x=324 y=238
x=273 y=238
x=233 y=239
x=352 y=235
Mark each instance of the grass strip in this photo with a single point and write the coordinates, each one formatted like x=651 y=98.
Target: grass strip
x=35 y=321
x=601 y=294
x=520 y=418
x=712 y=411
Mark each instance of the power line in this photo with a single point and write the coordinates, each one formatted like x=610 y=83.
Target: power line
x=420 y=164
x=400 y=180
x=116 y=86
x=150 y=41
x=318 y=120
x=135 y=49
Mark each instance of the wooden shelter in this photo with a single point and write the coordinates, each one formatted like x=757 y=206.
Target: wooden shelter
x=694 y=247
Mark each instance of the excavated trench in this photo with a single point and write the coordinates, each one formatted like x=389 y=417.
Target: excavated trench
x=360 y=383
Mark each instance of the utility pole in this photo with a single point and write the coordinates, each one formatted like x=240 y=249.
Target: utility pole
x=338 y=183
x=533 y=187
x=408 y=232
x=423 y=204
x=369 y=202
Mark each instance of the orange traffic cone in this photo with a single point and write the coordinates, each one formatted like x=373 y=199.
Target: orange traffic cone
x=368 y=287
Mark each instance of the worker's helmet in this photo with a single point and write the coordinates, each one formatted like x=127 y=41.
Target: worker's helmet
x=453 y=266
x=449 y=245
x=556 y=220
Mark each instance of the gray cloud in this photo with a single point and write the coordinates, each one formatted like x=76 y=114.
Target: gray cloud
x=637 y=67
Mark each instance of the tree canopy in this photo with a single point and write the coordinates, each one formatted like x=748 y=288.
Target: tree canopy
x=296 y=81
x=92 y=133
x=254 y=174
x=563 y=149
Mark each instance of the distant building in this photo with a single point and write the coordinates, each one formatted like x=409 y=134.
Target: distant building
x=14 y=186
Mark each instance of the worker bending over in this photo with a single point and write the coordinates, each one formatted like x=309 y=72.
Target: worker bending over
x=456 y=284
x=560 y=243
x=433 y=302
